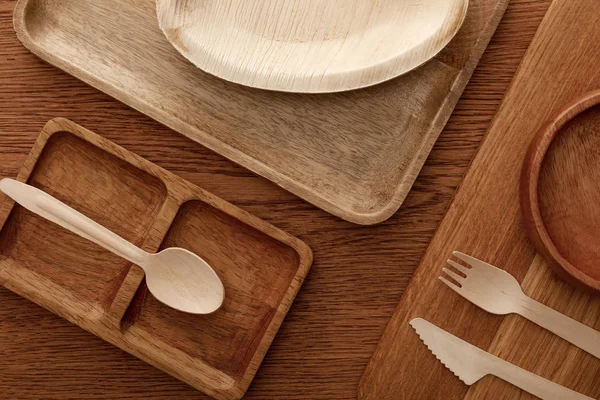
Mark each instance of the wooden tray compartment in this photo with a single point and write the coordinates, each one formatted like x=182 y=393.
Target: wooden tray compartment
x=262 y=267
x=90 y=275
x=354 y=154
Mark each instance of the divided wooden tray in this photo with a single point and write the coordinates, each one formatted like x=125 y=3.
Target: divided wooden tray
x=354 y=154
x=485 y=221
x=261 y=267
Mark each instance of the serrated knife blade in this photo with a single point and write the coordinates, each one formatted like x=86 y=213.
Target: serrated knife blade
x=470 y=363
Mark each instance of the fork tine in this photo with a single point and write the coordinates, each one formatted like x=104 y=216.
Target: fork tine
x=453 y=275
x=472 y=261
x=459 y=267
x=451 y=285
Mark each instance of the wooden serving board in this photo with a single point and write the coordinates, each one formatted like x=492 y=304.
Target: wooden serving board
x=354 y=154
x=484 y=220
x=261 y=267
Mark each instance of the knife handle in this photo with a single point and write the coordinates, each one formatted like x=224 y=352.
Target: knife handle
x=580 y=335
x=534 y=384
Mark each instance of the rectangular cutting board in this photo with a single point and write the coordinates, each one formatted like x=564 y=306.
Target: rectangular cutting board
x=484 y=220
x=354 y=154
x=262 y=267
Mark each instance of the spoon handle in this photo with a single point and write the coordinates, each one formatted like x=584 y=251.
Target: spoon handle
x=48 y=207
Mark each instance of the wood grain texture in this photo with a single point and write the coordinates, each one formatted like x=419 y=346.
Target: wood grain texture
x=485 y=221
x=309 y=46
x=560 y=192
x=355 y=154
x=261 y=267
x=352 y=290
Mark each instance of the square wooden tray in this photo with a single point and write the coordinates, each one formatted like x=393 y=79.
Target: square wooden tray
x=354 y=154
x=262 y=267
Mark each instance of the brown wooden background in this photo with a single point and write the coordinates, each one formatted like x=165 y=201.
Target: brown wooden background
x=358 y=276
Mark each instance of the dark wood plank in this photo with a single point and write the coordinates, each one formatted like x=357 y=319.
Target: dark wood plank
x=358 y=276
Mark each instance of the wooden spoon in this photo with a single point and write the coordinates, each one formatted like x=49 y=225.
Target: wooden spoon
x=310 y=46
x=560 y=192
x=176 y=277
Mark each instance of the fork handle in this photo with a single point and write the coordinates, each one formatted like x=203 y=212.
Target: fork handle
x=580 y=335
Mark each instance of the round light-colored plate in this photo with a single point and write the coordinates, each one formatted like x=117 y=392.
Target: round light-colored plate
x=309 y=46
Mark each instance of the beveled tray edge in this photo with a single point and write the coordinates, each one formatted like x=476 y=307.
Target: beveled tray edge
x=403 y=188
x=198 y=380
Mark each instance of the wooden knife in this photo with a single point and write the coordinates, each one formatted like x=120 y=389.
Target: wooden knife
x=470 y=364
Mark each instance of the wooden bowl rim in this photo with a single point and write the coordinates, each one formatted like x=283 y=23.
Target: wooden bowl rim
x=529 y=194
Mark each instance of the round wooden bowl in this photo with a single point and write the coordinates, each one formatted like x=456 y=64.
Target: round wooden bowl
x=560 y=192
x=309 y=46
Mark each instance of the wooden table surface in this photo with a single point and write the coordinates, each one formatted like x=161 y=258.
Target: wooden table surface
x=359 y=273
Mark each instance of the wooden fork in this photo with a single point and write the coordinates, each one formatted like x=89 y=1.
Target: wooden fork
x=498 y=292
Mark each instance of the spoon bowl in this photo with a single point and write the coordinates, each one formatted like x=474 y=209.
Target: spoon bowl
x=169 y=274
